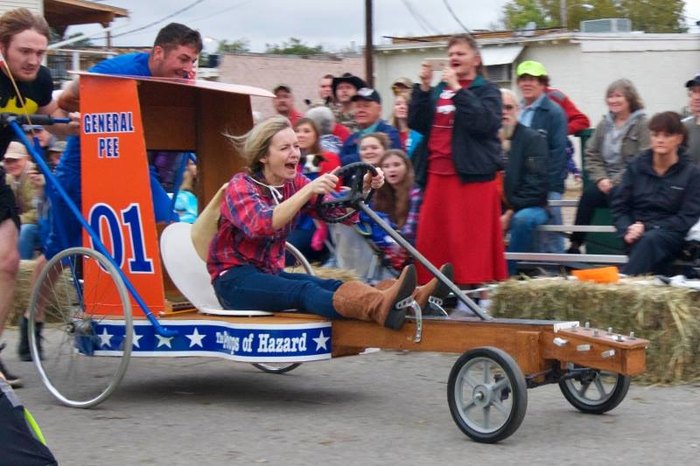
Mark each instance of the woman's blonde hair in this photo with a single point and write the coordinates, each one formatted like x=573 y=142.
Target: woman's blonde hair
x=405 y=96
x=255 y=144
x=395 y=200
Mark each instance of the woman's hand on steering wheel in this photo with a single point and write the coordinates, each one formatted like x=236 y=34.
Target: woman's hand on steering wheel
x=359 y=181
x=325 y=183
x=374 y=181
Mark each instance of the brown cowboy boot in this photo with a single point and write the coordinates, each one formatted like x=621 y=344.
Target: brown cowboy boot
x=434 y=288
x=356 y=300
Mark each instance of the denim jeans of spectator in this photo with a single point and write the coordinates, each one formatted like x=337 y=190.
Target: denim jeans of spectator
x=352 y=251
x=552 y=241
x=248 y=288
x=29 y=240
x=523 y=231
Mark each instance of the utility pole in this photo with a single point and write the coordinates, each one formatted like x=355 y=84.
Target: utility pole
x=563 y=19
x=369 y=45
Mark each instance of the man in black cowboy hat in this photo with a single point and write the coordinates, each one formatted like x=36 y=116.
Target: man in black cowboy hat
x=344 y=88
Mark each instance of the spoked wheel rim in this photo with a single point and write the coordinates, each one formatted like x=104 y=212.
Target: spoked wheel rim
x=484 y=395
x=487 y=394
x=87 y=336
x=594 y=391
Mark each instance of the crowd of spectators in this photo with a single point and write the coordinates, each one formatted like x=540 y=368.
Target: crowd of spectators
x=470 y=169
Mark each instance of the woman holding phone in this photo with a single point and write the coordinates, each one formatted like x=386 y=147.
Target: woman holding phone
x=456 y=165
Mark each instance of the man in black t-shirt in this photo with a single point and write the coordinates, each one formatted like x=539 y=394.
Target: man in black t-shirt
x=24 y=38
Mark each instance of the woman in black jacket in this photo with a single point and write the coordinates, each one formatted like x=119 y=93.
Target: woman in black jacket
x=659 y=198
x=456 y=164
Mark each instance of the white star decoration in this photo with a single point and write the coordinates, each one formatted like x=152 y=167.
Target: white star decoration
x=196 y=338
x=321 y=341
x=135 y=339
x=105 y=338
x=164 y=341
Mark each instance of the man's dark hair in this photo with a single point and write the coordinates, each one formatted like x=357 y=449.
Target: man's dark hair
x=669 y=123
x=176 y=34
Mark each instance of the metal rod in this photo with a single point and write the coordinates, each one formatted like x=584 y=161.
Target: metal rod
x=425 y=262
x=97 y=242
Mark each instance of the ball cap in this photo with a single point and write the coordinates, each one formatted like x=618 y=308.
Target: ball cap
x=282 y=87
x=693 y=82
x=532 y=68
x=16 y=150
x=58 y=146
x=367 y=94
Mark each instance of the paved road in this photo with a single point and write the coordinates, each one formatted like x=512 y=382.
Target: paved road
x=380 y=408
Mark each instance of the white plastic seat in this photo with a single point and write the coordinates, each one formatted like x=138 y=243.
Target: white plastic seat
x=189 y=272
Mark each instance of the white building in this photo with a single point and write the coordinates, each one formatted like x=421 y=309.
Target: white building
x=580 y=64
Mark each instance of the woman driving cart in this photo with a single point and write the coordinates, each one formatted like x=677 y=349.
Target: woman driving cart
x=246 y=256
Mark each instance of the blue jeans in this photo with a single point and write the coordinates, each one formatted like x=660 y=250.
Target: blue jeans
x=523 y=227
x=29 y=240
x=246 y=287
x=551 y=241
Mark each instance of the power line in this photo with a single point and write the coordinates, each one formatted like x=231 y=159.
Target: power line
x=422 y=22
x=449 y=8
x=217 y=13
x=154 y=23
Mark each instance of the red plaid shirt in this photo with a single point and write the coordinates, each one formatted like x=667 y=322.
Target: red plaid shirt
x=245 y=234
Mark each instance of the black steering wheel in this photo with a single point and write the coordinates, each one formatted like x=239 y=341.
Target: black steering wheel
x=353 y=176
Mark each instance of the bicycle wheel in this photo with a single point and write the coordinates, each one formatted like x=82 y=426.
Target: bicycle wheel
x=299 y=265
x=88 y=327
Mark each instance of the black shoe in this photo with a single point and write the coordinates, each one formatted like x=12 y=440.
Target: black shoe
x=573 y=249
x=23 y=350
x=12 y=380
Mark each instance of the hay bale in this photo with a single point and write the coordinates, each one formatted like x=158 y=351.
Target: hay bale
x=23 y=292
x=667 y=316
x=344 y=275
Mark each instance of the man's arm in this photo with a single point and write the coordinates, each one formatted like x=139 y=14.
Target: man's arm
x=69 y=100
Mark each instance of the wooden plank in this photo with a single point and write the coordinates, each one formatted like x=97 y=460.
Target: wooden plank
x=598 y=350
x=579 y=228
x=448 y=336
x=566 y=258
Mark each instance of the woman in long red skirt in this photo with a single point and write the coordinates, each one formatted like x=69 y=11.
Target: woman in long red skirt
x=456 y=164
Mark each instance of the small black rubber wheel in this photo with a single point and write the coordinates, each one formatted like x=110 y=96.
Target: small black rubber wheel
x=592 y=391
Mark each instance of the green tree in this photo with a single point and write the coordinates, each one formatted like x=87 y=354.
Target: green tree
x=645 y=15
x=293 y=47
x=654 y=15
x=235 y=46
